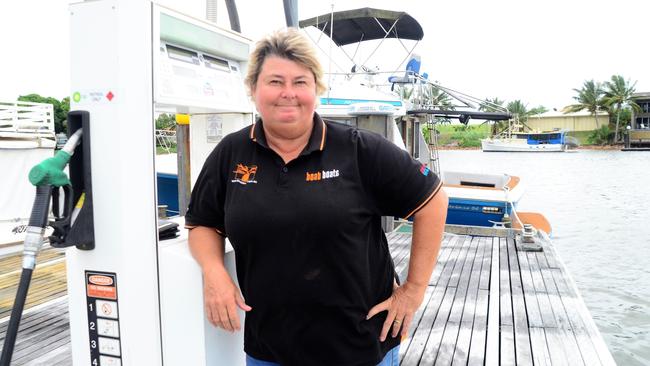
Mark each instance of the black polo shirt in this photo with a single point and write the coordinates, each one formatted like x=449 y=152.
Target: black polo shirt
x=311 y=255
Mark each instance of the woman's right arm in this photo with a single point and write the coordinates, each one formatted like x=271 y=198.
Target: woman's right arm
x=221 y=295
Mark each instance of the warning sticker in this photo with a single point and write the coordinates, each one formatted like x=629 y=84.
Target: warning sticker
x=103 y=318
x=102 y=292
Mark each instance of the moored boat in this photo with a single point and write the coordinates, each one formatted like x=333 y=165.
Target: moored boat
x=513 y=139
x=26 y=138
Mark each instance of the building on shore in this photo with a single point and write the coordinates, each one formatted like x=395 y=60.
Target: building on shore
x=576 y=121
x=638 y=133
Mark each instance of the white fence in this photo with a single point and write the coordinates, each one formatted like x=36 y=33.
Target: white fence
x=26 y=117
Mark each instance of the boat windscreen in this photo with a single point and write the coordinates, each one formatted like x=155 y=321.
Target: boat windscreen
x=352 y=26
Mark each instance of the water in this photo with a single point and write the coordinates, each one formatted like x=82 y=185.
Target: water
x=598 y=203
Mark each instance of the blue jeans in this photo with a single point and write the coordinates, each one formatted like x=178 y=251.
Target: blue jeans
x=391 y=359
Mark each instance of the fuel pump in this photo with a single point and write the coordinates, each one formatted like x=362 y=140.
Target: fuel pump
x=135 y=299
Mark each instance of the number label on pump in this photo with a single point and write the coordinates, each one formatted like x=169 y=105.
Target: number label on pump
x=103 y=318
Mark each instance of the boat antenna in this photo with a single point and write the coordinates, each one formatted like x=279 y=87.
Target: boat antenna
x=329 y=67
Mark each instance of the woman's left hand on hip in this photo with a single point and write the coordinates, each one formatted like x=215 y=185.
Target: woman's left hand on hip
x=401 y=306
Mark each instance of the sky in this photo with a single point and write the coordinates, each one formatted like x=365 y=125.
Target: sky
x=535 y=51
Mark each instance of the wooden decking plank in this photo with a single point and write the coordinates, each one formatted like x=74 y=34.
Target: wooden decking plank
x=484 y=283
x=40 y=331
x=550 y=254
x=535 y=271
x=400 y=248
x=541 y=356
x=450 y=262
x=432 y=348
x=34 y=344
x=477 y=354
x=464 y=275
x=50 y=345
x=13 y=262
x=556 y=349
x=505 y=297
x=451 y=336
x=455 y=276
x=520 y=319
x=592 y=348
x=493 y=328
x=44 y=343
x=507 y=346
x=443 y=257
x=461 y=353
x=530 y=297
x=48 y=281
x=564 y=329
x=61 y=355
x=545 y=309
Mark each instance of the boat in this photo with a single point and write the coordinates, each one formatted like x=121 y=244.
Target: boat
x=514 y=139
x=26 y=138
x=367 y=98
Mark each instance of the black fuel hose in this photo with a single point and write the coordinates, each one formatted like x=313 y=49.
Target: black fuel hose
x=14 y=321
x=33 y=243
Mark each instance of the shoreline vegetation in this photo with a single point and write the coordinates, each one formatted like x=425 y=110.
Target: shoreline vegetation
x=616 y=147
x=461 y=137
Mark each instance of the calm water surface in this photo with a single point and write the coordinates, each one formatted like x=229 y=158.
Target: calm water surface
x=598 y=203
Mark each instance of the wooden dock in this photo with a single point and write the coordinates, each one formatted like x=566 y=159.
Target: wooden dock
x=490 y=304
x=487 y=304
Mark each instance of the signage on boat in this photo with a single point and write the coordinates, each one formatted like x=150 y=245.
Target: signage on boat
x=371 y=108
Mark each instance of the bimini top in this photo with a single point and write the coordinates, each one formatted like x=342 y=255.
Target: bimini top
x=352 y=26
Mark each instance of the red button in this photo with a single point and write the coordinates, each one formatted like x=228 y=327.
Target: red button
x=109 y=96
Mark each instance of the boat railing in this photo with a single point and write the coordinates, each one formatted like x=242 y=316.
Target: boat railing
x=27 y=117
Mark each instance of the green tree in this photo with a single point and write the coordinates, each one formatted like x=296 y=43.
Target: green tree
x=166 y=122
x=404 y=91
x=538 y=110
x=494 y=105
x=618 y=93
x=61 y=108
x=589 y=97
x=519 y=110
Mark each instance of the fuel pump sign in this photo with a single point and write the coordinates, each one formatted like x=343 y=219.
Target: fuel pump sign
x=103 y=319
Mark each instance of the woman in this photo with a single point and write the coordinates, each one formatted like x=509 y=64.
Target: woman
x=301 y=202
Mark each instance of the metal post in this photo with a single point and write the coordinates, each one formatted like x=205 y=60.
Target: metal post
x=183 y=154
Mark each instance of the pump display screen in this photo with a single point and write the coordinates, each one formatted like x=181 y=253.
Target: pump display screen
x=216 y=63
x=180 y=54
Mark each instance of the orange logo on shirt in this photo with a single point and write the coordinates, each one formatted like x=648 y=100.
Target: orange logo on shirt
x=245 y=174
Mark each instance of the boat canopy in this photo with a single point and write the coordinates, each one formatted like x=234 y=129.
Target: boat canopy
x=366 y=24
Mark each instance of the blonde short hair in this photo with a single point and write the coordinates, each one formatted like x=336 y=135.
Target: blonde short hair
x=287 y=43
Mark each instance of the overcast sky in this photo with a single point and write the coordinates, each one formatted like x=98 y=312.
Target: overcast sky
x=536 y=51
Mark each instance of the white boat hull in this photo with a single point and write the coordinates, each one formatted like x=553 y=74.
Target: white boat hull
x=518 y=145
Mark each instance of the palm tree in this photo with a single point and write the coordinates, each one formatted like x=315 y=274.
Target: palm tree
x=618 y=92
x=589 y=98
x=405 y=91
x=520 y=112
x=493 y=105
x=433 y=96
x=538 y=110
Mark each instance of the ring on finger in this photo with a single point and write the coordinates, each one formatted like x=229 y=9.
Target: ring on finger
x=397 y=322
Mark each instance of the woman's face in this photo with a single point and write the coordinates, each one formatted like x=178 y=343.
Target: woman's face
x=285 y=95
